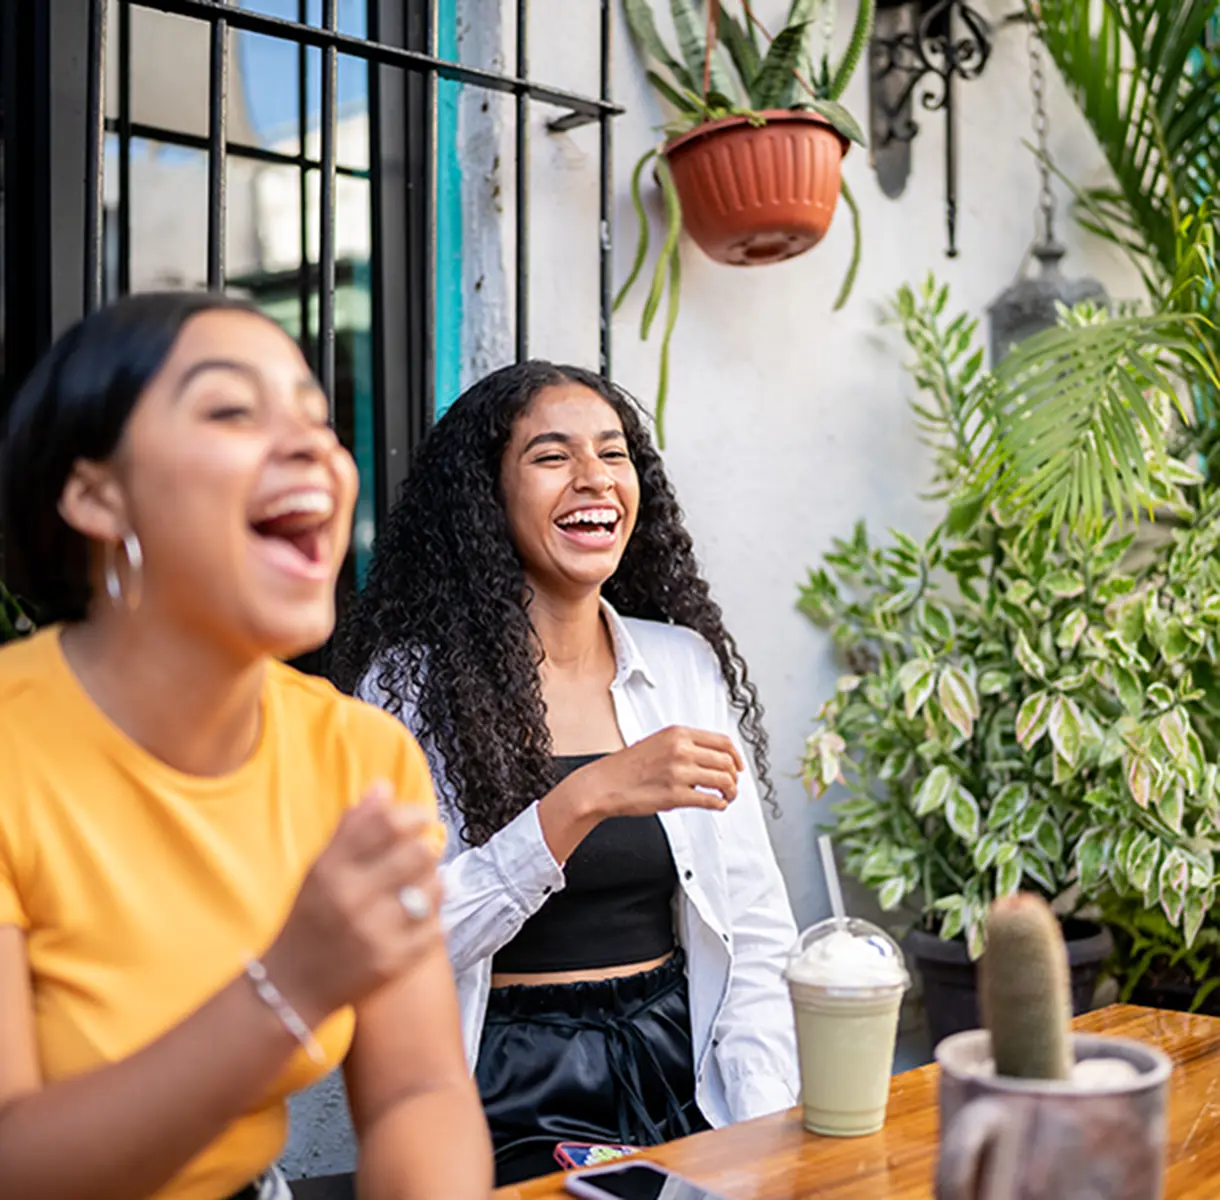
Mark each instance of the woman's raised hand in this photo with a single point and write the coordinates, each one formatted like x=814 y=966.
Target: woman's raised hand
x=676 y=767
x=366 y=912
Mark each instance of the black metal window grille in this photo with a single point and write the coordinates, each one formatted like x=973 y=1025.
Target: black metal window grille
x=401 y=40
x=403 y=73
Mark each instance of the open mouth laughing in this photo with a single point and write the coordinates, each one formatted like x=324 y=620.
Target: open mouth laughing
x=594 y=527
x=294 y=532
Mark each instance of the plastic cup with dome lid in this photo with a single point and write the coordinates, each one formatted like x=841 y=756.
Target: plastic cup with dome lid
x=847 y=978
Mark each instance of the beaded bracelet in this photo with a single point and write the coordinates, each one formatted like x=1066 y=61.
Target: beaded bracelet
x=273 y=998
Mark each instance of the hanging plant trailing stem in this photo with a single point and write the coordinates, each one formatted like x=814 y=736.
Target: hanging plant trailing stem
x=727 y=88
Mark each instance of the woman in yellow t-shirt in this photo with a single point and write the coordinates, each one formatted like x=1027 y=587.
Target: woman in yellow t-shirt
x=217 y=876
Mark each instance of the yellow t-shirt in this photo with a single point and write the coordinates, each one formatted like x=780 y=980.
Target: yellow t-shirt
x=142 y=890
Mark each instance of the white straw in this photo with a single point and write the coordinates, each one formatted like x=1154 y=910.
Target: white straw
x=831 y=872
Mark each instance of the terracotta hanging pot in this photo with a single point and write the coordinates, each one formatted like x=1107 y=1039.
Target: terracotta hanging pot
x=757 y=194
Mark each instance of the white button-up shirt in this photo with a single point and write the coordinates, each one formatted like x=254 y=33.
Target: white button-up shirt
x=733 y=916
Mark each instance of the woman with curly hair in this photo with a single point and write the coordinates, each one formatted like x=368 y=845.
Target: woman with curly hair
x=615 y=915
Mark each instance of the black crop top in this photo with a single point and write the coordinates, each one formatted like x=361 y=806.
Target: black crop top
x=617 y=906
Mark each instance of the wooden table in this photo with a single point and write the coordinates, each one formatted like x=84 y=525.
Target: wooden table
x=773 y=1158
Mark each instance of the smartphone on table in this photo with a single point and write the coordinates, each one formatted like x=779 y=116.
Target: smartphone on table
x=635 y=1181
x=572 y=1156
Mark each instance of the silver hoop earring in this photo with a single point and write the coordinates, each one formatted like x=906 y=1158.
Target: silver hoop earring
x=110 y=570
x=135 y=564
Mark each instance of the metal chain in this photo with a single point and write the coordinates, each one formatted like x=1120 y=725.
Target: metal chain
x=1037 y=86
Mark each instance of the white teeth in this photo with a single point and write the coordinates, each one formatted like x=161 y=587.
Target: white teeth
x=313 y=500
x=590 y=516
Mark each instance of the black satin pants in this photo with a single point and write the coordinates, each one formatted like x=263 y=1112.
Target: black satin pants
x=607 y=1061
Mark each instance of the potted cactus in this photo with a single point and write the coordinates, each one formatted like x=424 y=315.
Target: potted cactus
x=1029 y=1110
x=750 y=163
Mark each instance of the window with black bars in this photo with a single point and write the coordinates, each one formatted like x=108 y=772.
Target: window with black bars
x=342 y=165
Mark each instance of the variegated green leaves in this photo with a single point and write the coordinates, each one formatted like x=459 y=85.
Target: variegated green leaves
x=1059 y=717
x=931 y=795
x=962 y=813
x=954 y=689
x=958 y=699
x=1027 y=708
x=962 y=916
x=1143 y=867
x=823 y=760
x=1158 y=817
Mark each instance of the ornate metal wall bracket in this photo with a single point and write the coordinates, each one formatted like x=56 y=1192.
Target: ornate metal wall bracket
x=919 y=49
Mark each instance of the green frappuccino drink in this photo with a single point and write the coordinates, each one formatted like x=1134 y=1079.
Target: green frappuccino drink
x=847 y=979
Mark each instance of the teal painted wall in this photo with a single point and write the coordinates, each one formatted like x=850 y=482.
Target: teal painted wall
x=448 y=338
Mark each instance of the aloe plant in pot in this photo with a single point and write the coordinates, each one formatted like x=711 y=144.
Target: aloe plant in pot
x=750 y=165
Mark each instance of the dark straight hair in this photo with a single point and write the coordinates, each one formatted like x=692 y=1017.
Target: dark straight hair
x=75 y=405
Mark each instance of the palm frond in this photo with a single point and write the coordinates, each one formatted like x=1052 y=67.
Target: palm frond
x=1074 y=417
x=1101 y=211
x=1151 y=93
x=1074 y=421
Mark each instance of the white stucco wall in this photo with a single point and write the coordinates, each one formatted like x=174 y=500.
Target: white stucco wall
x=788 y=422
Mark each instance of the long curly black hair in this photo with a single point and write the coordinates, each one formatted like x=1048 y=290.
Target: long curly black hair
x=442 y=620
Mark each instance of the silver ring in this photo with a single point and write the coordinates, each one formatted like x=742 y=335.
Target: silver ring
x=415 y=901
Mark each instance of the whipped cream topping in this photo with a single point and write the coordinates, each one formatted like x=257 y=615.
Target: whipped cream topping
x=843 y=959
